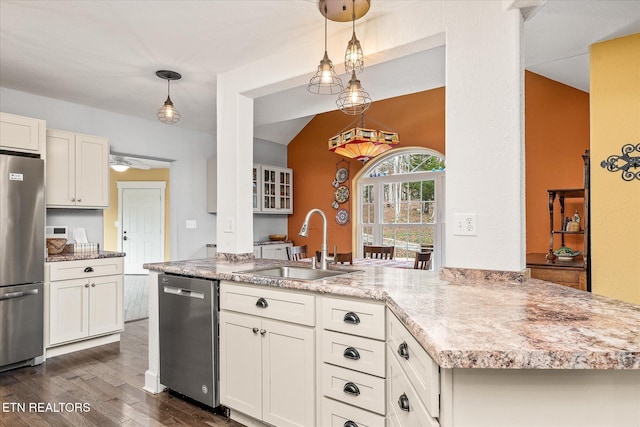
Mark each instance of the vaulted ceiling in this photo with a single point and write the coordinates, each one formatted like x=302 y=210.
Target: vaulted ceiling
x=104 y=54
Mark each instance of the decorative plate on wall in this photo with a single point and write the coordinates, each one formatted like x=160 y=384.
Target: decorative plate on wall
x=342 y=175
x=342 y=194
x=342 y=216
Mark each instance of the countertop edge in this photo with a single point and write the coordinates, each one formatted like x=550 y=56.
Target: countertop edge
x=80 y=256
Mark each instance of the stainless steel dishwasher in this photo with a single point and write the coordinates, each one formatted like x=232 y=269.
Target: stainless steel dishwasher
x=188 y=312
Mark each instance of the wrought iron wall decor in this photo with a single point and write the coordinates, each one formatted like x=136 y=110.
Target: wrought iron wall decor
x=626 y=161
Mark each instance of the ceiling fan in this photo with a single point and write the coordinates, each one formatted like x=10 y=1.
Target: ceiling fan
x=121 y=163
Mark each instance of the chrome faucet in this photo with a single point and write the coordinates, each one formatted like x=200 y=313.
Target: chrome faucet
x=304 y=232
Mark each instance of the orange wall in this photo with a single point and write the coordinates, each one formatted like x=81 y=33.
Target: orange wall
x=418 y=118
x=557 y=133
x=556 y=136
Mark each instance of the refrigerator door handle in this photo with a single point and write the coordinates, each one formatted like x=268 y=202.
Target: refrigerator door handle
x=12 y=295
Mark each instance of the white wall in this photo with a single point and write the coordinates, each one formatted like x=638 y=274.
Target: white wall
x=187 y=149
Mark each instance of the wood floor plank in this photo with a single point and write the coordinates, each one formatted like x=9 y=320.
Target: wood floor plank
x=109 y=378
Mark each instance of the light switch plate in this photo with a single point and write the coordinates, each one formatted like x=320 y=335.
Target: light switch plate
x=191 y=223
x=465 y=224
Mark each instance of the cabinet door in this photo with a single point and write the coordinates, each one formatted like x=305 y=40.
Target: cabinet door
x=240 y=367
x=285 y=190
x=92 y=171
x=105 y=304
x=68 y=310
x=288 y=369
x=61 y=168
x=256 y=187
x=275 y=251
x=21 y=133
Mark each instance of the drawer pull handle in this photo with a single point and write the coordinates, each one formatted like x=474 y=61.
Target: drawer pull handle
x=351 y=353
x=350 y=424
x=255 y=331
x=352 y=389
x=88 y=270
x=403 y=402
x=403 y=350
x=352 y=318
x=262 y=303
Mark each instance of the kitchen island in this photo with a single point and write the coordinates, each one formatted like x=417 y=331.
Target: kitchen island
x=509 y=353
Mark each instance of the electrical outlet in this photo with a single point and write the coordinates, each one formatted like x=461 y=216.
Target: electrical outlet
x=465 y=224
x=191 y=223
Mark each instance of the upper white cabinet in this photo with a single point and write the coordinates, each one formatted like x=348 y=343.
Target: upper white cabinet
x=77 y=170
x=18 y=133
x=272 y=189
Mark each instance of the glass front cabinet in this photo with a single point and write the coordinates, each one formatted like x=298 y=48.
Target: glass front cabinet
x=273 y=188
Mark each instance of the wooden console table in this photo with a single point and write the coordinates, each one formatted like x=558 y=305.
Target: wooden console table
x=566 y=273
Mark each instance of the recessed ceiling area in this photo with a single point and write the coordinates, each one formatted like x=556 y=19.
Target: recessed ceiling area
x=104 y=54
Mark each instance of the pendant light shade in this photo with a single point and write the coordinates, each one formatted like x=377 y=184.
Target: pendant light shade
x=362 y=143
x=325 y=81
x=353 y=57
x=354 y=100
x=168 y=113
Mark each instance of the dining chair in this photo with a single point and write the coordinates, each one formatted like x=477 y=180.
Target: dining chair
x=378 y=252
x=422 y=261
x=339 y=258
x=296 y=253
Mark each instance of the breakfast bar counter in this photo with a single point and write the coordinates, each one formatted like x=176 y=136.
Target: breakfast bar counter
x=498 y=325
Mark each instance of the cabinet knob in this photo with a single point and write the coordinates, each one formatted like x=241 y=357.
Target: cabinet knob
x=352 y=318
x=403 y=350
x=93 y=285
x=86 y=285
x=351 y=388
x=350 y=424
x=263 y=332
x=262 y=303
x=255 y=331
x=79 y=200
x=403 y=402
x=351 y=353
x=73 y=199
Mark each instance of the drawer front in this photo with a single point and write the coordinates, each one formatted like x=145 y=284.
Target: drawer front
x=337 y=414
x=275 y=304
x=419 y=367
x=403 y=399
x=355 y=388
x=65 y=270
x=354 y=317
x=362 y=354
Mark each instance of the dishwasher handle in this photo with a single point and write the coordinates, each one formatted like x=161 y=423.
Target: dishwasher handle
x=183 y=292
x=19 y=294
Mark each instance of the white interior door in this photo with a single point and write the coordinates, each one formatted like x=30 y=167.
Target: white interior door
x=141 y=227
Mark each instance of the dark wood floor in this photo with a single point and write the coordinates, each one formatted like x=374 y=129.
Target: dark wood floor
x=108 y=378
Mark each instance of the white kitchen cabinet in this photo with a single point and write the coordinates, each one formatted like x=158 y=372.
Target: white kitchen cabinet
x=275 y=251
x=354 y=366
x=77 y=170
x=272 y=189
x=267 y=366
x=24 y=134
x=83 y=300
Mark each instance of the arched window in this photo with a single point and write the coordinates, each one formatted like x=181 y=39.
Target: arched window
x=401 y=203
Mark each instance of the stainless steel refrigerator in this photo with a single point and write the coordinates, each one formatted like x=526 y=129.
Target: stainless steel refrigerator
x=22 y=251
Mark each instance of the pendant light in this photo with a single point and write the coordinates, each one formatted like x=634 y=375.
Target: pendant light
x=168 y=113
x=362 y=143
x=354 y=100
x=353 y=57
x=325 y=81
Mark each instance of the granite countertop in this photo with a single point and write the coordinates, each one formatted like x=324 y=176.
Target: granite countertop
x=80 y=255
x=261 y=243
x=530 y=325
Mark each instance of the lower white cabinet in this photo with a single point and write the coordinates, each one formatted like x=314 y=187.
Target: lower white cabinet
x=82 y=300
x=267 y=366
x=275 y=251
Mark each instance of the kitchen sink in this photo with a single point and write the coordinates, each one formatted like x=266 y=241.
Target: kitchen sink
x=299 y=273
